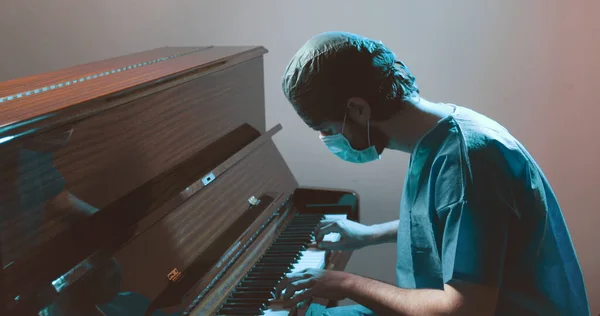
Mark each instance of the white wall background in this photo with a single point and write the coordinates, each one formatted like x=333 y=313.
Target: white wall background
x=532 y=65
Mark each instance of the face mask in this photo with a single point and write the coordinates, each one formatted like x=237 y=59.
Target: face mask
x=339 y=145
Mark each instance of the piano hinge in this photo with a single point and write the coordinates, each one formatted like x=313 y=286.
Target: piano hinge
x=208 y=179
x=253 y=201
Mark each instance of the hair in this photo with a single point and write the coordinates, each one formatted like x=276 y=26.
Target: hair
x=332 y=67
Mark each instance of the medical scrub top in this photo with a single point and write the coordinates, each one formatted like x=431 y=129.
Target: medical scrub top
x=477 y=208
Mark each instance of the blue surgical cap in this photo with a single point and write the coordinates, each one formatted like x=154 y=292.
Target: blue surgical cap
x=329 y=68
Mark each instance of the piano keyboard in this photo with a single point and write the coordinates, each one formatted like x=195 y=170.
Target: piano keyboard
x=288 y=253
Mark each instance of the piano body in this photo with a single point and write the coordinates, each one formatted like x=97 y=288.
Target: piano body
x=148 y=184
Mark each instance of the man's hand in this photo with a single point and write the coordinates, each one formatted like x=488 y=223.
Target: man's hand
x=299 y=286
x=353 y=235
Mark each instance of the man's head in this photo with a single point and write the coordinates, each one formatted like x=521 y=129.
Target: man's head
x=344 y=84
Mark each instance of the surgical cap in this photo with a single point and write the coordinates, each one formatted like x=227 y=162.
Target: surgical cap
x=331 y=67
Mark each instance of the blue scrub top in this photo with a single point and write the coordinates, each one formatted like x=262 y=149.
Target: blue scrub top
x=477 y=208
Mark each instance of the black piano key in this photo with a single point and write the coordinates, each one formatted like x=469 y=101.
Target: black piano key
x=245 y=305
x=239 y=312
x=265 y=286
x=275 y=264
x=259 y=284
x=291 y=242
x=275 y=259
x=296 y=245
x=270 y=269
x=289 y=249
x=276 y=255
x=265 y=289
x=285 y=237
x=252 y=295
x=297 y=231
x=278 y=252
x=267 y=275
x=235 y=300
x=261 y=278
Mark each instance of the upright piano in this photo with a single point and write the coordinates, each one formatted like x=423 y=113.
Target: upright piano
x=149 y=184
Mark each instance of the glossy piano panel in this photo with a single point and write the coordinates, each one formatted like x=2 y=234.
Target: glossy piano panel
x=145 y=266
x=51 y=179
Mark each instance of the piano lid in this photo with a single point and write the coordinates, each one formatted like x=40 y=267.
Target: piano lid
x=49 y=99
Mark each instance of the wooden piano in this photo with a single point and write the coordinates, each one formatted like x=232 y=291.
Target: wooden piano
x=149 y=185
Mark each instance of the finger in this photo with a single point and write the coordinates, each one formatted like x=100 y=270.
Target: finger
x=320 y=228
x=332 y=245
x=296 y=287
x=313 y=245
x=331 y=228
x=326 y=222
x=295 y=279
x=289 y=278
x=298 y=298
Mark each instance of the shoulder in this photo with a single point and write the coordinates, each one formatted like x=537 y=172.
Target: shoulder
x=497 y=165
x=477 y=156
x=489 y=148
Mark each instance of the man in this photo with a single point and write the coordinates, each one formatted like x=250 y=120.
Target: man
x=480 y=230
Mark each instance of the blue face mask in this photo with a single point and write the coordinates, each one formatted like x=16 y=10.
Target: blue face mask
x=339 y=145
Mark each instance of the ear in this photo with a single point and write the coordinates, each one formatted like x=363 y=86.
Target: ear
x=359 y=110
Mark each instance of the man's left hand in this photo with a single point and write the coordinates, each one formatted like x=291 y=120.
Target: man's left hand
x=307 y=283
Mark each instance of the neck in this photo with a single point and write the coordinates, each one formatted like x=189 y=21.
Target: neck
x=411 y=123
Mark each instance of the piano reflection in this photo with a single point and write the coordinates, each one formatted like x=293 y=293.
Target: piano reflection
x=149 y=184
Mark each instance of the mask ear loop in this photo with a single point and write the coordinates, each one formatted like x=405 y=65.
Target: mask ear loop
x=368 y=133
x=368 y=128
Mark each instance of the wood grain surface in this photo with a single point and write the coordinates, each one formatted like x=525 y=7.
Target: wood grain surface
x=60 y=106
x=15 y=86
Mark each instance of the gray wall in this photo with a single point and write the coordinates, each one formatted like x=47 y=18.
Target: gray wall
x=532 y=65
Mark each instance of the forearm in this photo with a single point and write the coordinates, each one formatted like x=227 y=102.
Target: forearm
x=385 y=232
x=386 y=299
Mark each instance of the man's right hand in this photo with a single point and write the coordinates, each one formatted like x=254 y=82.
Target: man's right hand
x=353 y=235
